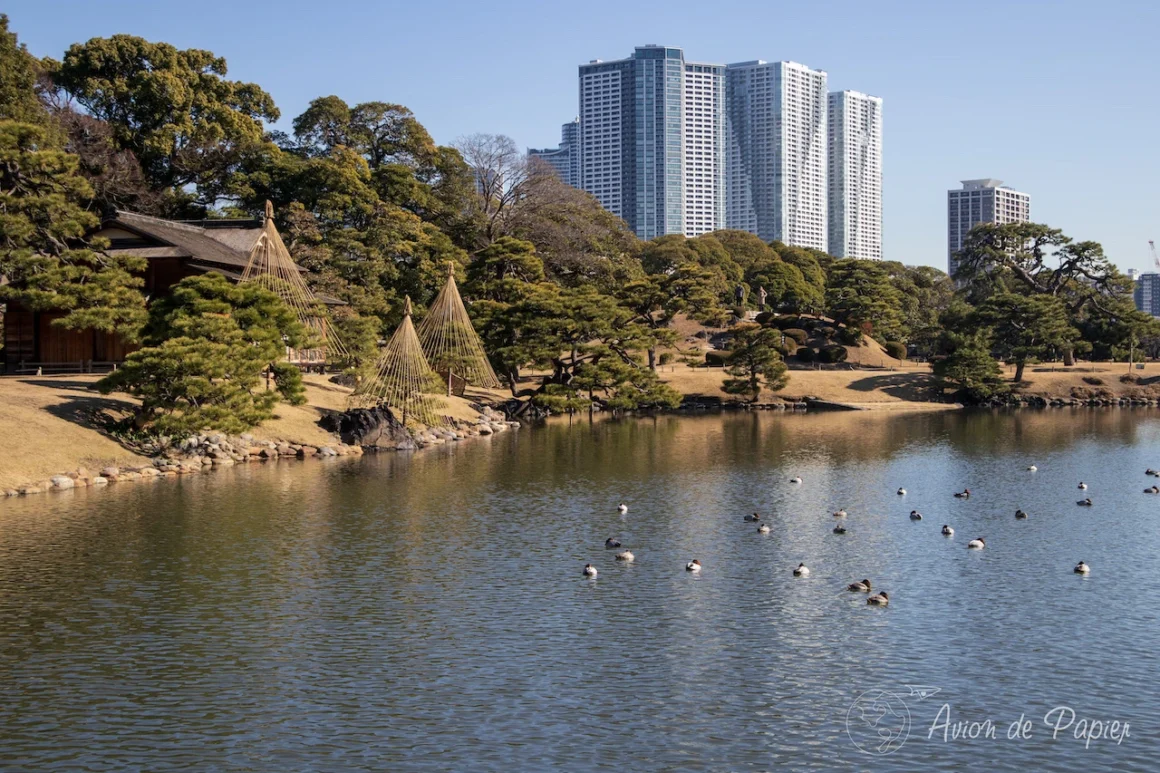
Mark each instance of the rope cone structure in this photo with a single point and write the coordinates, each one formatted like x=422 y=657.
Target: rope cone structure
x=272 y=267
x=402 y=379
x=451 y=343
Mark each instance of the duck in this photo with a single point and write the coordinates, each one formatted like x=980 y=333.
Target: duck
x=626 y=556
x=1149 y=471
x=611 y=543
x=859 y=587
x=1082 y=568
x=1032 y=468
x=901 y=492
x=977 y=544
x=1082 y=486
x=1085 y=502
x=763 y=528
x=589 y=570
x=753 y=518
x=964 y=494
x=801 y=571
x=915 y=515
x=1153 y=490
x=795 y=479
x=693 y=566
x=1020 y=515
x=839 y=513
x=879 y=599
x=948 y=531
x=839 y=530
x=622 y=508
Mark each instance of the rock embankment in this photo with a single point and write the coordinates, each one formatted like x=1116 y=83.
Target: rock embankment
x=196 y=454
x=376 y=429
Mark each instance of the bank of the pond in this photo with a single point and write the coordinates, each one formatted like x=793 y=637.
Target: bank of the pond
x=48 y=426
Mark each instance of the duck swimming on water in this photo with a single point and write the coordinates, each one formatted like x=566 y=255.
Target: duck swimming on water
x=964 y=494
x=626 y=556
x=622 y=508
x=879 y=599
x=611 y=543
x=859 y=587
x=1153 y=490
x=977 y=544
x=1032 y=468
x=839 y=529
x=1082 y=568
x=1085 y=502
x=589 y=570
x=915 y=515
x=1020 y=515
x=753 y=518
x=763 y=528
x=948 y=531
x=795 y=479
x=839 y=513
x=801 y=571
x=901 y=492
x=693 y=566
x=1082 y=486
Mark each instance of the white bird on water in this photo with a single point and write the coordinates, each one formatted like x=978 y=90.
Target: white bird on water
x=901 y=492
x=1082 y=486
x=948 y=531
x=693 y=566
x=622 y=507
x=976 y=544
x=839 y=513
x=795 y=480
x=589 y=570
x=763 y=528
x=1032 y=468
x=801 y=571
x=626 y=556
x=1082 y=568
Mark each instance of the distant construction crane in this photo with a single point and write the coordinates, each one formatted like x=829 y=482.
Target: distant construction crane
x=1152 y=249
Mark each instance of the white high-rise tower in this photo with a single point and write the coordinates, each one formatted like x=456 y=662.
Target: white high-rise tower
x=652 y=141
x=776 y=152
x=855 y=175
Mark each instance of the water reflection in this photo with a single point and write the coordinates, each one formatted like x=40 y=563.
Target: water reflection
x=426 y=612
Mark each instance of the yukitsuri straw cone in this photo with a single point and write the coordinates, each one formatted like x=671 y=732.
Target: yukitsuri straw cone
x=402 y=379
x=450 y=341
x=272 y=267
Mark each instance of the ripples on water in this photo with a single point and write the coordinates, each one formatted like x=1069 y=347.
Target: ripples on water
x=427 y=612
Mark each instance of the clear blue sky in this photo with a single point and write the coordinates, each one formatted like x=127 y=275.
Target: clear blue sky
x=1058 y=99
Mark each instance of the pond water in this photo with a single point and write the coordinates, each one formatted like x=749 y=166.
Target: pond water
x=428 y=612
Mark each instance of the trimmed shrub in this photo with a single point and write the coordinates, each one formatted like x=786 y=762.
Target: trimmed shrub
x=717 y=358
x=665 y=358
x=1129 y=378
x=833 y=353
x=788 y=348
x=849 y=336
x=797 y=334
x=806 y=354
x=827 y=332
x=896 y=349
x=766 y=318
x=1094 y=381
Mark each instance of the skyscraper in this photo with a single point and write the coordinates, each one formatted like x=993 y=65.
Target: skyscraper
x=854 y=177
x=776 y=152
x=1147 y=293
x=981 y=201
x=566 y=158
x=649 y=133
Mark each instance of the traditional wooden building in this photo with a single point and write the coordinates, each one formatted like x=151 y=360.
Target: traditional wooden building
x=173 y=250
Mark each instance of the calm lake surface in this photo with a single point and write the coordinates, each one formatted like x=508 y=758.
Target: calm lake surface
x=427 y=612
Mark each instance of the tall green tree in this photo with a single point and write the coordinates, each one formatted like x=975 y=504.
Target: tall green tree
x=19 y=70
x=188 y=125
x=1026 y=326
x=860 y=295
x=44 y=255
x=207 y=345
x=754 y=362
